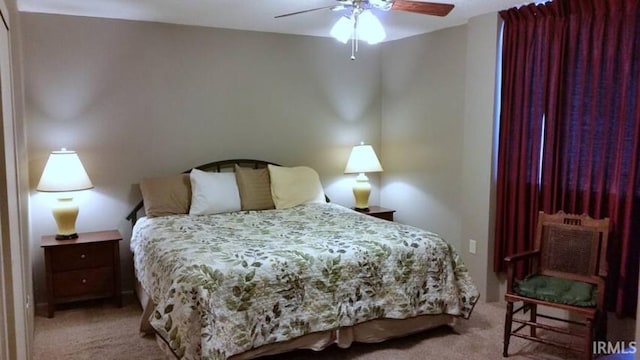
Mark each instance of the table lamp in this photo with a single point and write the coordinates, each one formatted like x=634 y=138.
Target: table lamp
x=362 y=160
x=64 y=173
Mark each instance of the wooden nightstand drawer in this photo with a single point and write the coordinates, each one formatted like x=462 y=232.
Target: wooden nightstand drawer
x=82 y=256
x=84 y=268
x=94 y=282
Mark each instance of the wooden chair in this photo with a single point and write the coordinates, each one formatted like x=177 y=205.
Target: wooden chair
x=566 y=271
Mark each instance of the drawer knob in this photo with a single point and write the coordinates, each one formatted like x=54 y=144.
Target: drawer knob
x=83 y=256
x=84 y=281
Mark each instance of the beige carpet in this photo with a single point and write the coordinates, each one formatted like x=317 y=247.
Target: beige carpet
x=101 y=331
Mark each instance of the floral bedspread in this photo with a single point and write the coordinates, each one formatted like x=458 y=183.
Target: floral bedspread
x=226 y=283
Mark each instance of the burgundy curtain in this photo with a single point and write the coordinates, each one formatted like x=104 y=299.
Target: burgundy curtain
x=590 y=130
x=531 y=51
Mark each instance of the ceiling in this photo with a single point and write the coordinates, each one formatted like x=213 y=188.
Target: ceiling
x=258 y=15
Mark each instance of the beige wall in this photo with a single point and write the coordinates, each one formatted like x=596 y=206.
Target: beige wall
x=423 y=81
x=477 y=202
x=437 y=136
x=143 y=99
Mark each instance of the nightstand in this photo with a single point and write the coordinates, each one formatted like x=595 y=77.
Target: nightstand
x=379 y=212
x=82 y=269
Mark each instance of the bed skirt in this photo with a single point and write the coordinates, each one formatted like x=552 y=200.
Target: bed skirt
x=371 y=331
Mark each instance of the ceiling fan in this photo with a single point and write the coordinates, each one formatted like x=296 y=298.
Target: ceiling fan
x=426 y=8
x=360 y=23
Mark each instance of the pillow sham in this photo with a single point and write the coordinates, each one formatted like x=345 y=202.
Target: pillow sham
x=291 y=186
x=169 y=195
x=254 y=186
x=213 y=193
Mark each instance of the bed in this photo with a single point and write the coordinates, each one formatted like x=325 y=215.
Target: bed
x=243 y=284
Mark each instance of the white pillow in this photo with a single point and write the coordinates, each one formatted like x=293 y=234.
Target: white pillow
x=291 y=186
x=213 y=193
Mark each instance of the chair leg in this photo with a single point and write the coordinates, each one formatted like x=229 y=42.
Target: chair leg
x=601 y=326
x=589 y=340
x=533 y=317
x=507 y=328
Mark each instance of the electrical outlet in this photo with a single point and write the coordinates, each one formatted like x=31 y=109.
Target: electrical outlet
x=472 y=246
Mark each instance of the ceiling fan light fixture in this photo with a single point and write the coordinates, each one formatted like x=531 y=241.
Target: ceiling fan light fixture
x=367 y=28
x=343 y=29
x=362 y=24
x=381 y=4
x=370 y=29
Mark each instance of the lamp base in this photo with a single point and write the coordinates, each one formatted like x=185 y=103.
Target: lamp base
x=66 y=237
x=361 y=191
x=65 y=213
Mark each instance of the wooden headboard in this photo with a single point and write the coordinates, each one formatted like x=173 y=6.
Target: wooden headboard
x=216 y=166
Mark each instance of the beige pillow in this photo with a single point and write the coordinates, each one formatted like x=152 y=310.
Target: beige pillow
x=169 y=195
x=255 y=188
x=291 y=186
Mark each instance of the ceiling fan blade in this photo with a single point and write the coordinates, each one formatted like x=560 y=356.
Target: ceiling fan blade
x=426 y=8
x=304 y=11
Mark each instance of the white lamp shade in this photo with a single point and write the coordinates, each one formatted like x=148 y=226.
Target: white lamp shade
x=64 y=172
x=370 y=29
x=362 y=159
x=343 y=29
